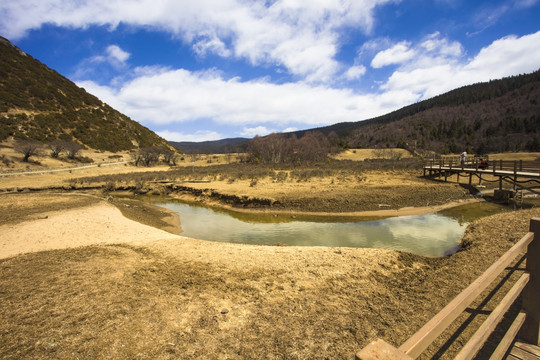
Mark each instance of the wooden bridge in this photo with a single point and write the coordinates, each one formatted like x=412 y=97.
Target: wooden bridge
x=521 y=175
x=525 y=326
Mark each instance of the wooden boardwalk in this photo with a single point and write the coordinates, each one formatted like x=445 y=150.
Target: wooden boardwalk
x=521 y=175
x=526 y=323
x=522 y=351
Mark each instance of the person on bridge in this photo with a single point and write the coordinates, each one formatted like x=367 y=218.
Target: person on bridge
x=463 y=157
x=483 y=164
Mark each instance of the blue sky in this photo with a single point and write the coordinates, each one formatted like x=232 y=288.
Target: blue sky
x=212 y=69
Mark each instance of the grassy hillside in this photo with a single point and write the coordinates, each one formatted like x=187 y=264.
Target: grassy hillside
x=37 y=103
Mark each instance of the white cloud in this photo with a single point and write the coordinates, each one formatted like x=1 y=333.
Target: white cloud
x=490 y=14
x=289 y=129
x=507 y=56
x=432 y=50
x=524 y=4
x=397 y=54
x=116 y=54
x=168 y=96
x=355 y=72
x=256 y=131
x=441 y=47
x=198 y=136
x=303 y=36
x=113 y=57
x=442 y=67
x=211 y=45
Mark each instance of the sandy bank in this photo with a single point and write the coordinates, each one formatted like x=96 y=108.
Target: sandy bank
x=96 y=224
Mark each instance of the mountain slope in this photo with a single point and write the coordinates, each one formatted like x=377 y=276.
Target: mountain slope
x=37 y=103
x=495 y=116
x=500 y=115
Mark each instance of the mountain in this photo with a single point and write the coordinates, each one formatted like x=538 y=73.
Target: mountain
x=37 y=103
x=495 y=116
x=212 y=147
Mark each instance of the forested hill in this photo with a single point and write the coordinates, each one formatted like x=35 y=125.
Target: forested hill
x=37 y=103
x=500 y=115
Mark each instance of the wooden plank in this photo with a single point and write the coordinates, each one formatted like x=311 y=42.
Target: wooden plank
x=522 y=354
x=476 y=342
x=511 y=357
x=417 y=343
x=528 y=347
x=508 y=338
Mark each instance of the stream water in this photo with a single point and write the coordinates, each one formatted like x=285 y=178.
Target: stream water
x=435 y=234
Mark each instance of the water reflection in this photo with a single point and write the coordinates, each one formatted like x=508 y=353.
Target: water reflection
x=428 y=235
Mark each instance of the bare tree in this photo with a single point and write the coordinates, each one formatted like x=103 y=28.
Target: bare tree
x=169 y=156
x=255 y=149
x=379 y=153
x=395 y=154
x=333 y=140
x=281 y=148
x=72 y=149
x=313 y=146
x=278 y=148
x=56 y=148
x=147 y=155
x=27 y=148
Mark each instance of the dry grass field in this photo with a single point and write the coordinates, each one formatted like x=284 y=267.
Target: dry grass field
x=84 y=275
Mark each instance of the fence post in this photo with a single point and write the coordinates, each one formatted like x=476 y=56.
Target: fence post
x=530 y=332
x=515 y=175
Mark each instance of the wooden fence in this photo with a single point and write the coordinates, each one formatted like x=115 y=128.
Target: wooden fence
x=526 y=325
x=475 y=163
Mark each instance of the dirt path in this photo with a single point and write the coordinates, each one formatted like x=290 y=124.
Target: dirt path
x=9 y=173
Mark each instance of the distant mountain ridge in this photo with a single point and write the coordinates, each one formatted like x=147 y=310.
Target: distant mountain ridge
x=37 y=103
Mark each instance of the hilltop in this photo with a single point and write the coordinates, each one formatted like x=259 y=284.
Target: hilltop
x=37 y=103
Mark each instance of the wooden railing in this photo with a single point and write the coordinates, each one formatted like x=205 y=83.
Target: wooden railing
x=475 y=163
x=527 y=323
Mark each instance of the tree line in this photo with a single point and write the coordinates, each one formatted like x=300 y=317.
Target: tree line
x=146 y=156
x=30 y=148
x=288 y=148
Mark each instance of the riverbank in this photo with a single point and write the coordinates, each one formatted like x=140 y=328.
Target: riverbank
x=102 y=286
x=376 y=214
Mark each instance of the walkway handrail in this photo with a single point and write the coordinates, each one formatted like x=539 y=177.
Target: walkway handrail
x=528 y=322
x=474 y=163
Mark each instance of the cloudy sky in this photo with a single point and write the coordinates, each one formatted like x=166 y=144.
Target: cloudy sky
x=196 y=70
